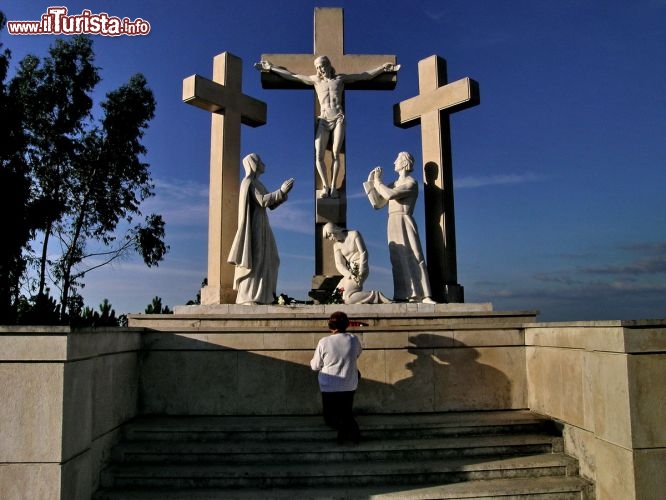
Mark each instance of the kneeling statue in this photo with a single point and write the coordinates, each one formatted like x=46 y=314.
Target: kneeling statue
x=351 y=261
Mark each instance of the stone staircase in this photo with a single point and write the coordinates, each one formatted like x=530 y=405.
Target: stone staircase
x=495 y=454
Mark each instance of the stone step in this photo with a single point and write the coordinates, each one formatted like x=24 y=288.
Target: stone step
x=494 y=454
x=246 y=452
x=336 y=474
x=311 y=428
x=542 y=488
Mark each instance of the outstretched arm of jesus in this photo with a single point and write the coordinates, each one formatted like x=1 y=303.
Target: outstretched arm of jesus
x=369 y=75
x=268 y=67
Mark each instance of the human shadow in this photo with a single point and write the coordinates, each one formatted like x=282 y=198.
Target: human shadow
x=437 y=373
x=434 y=372
x=461 y=380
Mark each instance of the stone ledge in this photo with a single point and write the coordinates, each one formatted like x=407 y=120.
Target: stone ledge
x=307 y=340
x=314 y=319
x=20 y=344
x=630 y=337
x=327 y=309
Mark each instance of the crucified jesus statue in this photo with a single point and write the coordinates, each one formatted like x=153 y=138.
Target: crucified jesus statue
x=329 y=87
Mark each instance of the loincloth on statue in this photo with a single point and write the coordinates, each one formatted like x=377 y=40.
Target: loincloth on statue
x=330 y=123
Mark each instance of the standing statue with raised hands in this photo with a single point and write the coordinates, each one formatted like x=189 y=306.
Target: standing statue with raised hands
x=254 y=251
x=410 y=274
x=329 y=87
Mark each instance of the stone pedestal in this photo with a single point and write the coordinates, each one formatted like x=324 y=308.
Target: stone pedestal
x=218 y=295
x=451 y=294
x=416 y=358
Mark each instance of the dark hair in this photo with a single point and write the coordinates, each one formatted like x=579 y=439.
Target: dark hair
x=338 y=321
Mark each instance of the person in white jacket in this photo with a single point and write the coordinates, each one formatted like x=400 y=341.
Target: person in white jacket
x=335 y=360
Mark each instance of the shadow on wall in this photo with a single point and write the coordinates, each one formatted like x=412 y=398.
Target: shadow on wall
x=434 y=372
x=463 y=380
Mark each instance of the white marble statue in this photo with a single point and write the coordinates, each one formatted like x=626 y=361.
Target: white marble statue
x=351 y=261
x=254 y=251
x=329 y=87
x=410 y=275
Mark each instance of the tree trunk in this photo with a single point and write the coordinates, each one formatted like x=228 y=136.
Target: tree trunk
x=42 y=263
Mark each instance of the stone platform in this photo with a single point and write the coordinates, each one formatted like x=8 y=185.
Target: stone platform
x=366 y=309
x=68 y=392
x=255 y=359
x=315 y=317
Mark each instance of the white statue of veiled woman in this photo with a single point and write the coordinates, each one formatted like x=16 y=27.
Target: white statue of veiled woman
x=254 y=251
x=410 y=274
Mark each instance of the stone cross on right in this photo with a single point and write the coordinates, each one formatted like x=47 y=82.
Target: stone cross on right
x=437 y=99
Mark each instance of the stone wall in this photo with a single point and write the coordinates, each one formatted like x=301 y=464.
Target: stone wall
x=64 y=395
x=415 y=359
x=403 y=371
x=606 y=383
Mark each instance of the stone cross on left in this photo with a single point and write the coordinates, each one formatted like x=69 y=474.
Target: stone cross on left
x=230 y=108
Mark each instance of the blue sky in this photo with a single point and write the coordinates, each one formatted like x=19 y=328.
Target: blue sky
x=559 y=173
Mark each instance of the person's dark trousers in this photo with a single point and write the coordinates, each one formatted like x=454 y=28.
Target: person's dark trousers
x=337 y=407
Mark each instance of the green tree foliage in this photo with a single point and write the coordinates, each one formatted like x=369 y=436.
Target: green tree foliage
x=15 y=194
x=111 y=182
x=76 y=183
x=55 y=98
x=38 y=310
x=155 y=307
x=197 y=298
x=105 y=317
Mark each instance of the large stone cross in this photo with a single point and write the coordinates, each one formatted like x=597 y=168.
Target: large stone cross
x=329 y=41
x=437 y=99
x=223 y=97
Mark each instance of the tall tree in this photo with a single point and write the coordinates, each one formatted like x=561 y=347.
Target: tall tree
x=108 y=183
x=55 y=95
x=14 y=192
x=86 y=178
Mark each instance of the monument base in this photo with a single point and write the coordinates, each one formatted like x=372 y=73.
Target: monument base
x=331 y=209
x=323 y=287
x=417 y=358
x=450 y=294
x=302 y=312
x=211 y=295
x=82 y=385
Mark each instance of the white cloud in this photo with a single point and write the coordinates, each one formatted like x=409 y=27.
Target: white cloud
x=649 y=265
x=495 y=180
x=185 y=203
x=179 y=202
x=292 y=216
